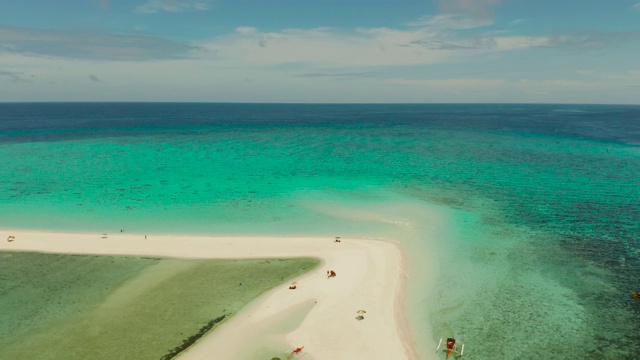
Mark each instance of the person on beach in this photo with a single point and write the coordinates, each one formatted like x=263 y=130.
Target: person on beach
x=331 y=274
x=296 y=351
x=338 y=239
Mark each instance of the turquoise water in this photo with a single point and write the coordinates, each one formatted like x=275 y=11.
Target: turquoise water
x=527 y=216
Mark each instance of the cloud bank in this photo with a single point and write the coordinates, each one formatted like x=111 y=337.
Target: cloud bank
x=155 y=6
x=470 y=8
x=14 y=77
x=457 y=53
x=89 y=45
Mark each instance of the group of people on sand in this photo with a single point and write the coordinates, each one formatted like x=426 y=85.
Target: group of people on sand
x=330 y=273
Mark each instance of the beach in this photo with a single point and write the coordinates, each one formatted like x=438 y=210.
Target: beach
x=514 y=219
x=370 y=276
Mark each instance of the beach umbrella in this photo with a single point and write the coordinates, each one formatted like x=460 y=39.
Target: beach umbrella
x=361 y=312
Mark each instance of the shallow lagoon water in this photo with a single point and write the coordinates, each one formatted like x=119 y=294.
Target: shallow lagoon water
x=532 y=209
x=106 y=307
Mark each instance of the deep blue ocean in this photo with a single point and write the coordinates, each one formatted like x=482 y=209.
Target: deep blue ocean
x=537 y=233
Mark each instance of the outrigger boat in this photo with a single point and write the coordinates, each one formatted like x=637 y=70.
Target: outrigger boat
x=451 y=346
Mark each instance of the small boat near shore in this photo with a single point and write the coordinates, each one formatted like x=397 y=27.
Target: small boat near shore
x=451 y=346
x=636 y=294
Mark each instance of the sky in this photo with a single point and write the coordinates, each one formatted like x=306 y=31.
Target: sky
x=321 y=51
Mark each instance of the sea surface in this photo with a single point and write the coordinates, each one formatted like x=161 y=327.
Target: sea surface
x=521 y=222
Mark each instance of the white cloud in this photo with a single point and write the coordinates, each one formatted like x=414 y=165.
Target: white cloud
x=496 y=84
x=246 y=30
x=450 y=83
x=452 y=22
x=376 y=47
x=619 y=77
x=519 y=91
x=486 y=44
x=301 y=65
x=323 y=46
x=366 y=47
x=518 y=21
x=154 y=6
x=560 y=83
x=89 y=45
x=14 y=77
x=591 y=39
x=507 y=43
x=56 y=79
x=473 y=8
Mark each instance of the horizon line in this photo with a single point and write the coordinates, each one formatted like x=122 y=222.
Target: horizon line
x=311 y=103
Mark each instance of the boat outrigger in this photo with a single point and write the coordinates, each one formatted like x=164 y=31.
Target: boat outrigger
x=451 y=346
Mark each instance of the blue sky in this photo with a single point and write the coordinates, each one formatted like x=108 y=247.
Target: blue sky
x=328 y=51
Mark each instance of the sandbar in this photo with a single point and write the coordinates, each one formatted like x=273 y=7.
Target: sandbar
x=370 y=276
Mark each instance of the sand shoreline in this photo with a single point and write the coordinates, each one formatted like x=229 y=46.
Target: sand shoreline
x=371 y=275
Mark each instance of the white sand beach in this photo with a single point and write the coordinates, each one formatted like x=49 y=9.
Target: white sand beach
x=370 y=275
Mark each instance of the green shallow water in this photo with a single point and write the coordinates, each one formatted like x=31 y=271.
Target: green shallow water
x=103 y=307
x=521 y=226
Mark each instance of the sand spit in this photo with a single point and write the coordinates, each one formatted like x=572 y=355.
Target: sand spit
x=370 y=276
